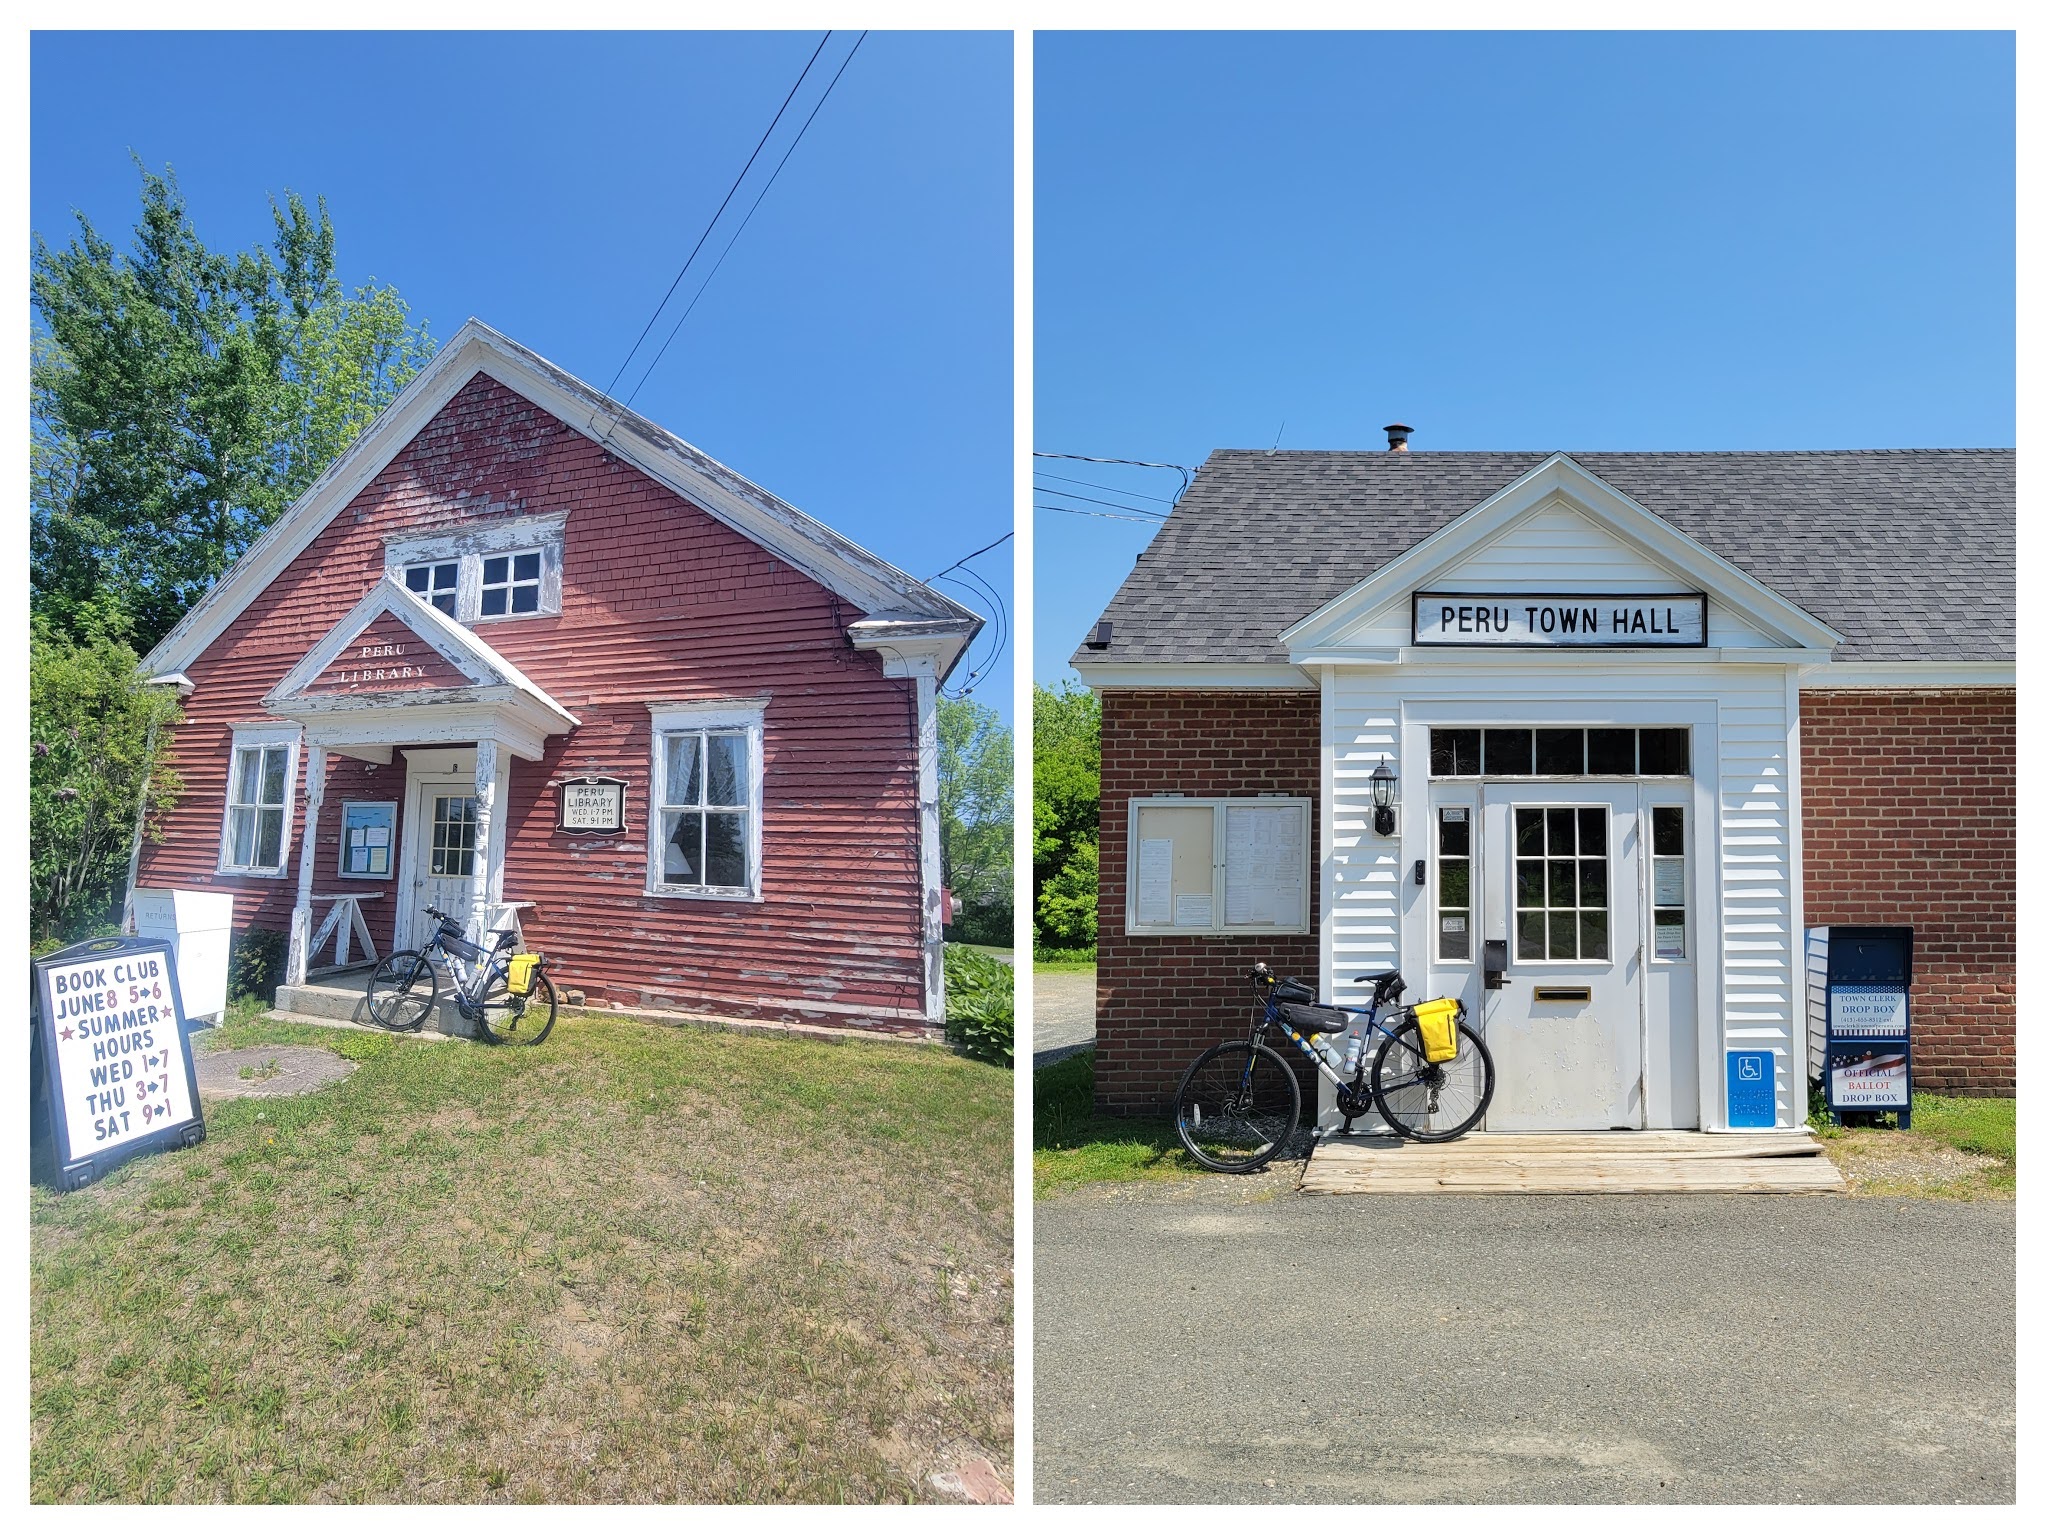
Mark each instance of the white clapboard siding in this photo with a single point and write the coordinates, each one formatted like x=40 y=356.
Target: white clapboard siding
x=1751 y=996
x=1556 y=548
x=1762 y=1009
x=1363 y=879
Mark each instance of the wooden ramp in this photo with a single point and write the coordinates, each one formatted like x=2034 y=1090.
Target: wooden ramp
x=1610 y=1162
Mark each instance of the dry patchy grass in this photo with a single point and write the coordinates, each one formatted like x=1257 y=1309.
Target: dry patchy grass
x=636 y=1263
x=1956 y=1148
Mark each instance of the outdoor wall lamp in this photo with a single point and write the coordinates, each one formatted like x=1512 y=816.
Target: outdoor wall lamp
x=1383 y=782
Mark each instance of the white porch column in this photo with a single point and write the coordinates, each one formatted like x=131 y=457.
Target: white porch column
x=933 y=855
x=481 y=897
x=298 y=958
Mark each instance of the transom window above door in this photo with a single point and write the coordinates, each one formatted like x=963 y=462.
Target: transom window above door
x=1568 y=751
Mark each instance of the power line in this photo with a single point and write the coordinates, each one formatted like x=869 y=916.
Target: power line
x=1186 y=472
x=749 y=216
x=1138 y=463
x=707 y=228
x=1046 y=474
x=983 y=549
x=1121 y=506
x=1077 y=511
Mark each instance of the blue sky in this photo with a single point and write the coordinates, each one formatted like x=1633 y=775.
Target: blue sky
x=1508 y=241
x=854 y=354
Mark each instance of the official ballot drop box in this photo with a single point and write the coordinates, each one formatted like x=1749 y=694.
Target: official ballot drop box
x=1858 y=1010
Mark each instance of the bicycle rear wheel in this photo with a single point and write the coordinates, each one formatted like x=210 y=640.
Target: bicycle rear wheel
x=402 y=991
x=1423 y=1101
x=1237 y=1107
x=516 y=1020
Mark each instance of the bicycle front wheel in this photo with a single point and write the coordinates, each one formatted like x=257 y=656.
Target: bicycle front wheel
x=402 y=991
x=1424 y=1101
x=1237 y=1107
x=514 y=1020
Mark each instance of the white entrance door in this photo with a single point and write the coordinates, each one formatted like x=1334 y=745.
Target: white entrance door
x=443 y=857
x=1559 y=872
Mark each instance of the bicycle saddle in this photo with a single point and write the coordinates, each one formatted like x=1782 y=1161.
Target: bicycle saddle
x=1383 y=983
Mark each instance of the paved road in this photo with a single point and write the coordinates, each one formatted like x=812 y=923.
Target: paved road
x=1064 y=1014
x=1229 y=1341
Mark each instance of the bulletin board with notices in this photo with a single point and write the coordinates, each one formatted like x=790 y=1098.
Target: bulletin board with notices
x=1218 y=866
x=368 y=832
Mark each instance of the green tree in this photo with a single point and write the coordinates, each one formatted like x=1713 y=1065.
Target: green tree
x=182 y=398
x=976 y=818
x=96 y=736
x=1065 y=814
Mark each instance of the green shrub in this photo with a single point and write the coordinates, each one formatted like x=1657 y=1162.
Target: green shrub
x=255 y=964
x=980 y=1005
x=1066 y=910
x=1045 y=956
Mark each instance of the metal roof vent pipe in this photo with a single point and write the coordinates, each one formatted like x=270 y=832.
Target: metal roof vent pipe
x=1396 y=438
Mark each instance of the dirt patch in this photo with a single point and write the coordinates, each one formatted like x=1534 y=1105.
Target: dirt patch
x=1895 y=1162
x=268 y=1071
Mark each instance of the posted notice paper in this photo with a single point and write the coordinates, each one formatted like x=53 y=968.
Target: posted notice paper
x=1267 y=846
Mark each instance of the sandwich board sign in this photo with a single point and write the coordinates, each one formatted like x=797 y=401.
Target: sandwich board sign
x=112 y=1072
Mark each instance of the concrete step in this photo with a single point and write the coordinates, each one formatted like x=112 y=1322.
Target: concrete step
x=344 y=999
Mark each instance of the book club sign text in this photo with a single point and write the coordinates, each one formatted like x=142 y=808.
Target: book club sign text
x=115 y=1059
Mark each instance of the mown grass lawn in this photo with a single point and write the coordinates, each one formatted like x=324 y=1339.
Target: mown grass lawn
x=1956 y=1148
x=636 y=1263
x=1074 y=1145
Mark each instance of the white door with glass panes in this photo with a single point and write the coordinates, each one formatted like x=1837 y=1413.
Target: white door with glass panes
x=1559 y=881
x=444 y=852
x=1571 y=847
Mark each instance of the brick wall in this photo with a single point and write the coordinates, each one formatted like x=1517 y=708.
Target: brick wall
x=1161 y=1001
x=1910 y=813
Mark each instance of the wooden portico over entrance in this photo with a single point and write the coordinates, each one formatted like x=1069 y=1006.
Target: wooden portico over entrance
x=397 y=674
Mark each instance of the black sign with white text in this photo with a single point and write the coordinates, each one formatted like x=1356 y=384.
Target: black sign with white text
x=113 y=1062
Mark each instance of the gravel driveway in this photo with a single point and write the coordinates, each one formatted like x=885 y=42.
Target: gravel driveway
x=1228 y=1341
x=1063 y=1020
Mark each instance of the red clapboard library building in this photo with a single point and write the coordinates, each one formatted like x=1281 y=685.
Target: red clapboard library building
x=524 y=656
x=1598 y=743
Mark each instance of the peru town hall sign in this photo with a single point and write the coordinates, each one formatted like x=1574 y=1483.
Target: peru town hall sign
x=1558 y=620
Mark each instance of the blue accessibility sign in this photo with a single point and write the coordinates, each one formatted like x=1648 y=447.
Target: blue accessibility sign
x=1751 y=1089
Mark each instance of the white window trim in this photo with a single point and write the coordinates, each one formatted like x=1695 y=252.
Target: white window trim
x=747 y=714
x=404 y=572
x=1648 y=907
x=1463 y=796
x=1220 y=888
x=510 y=585
x=467 y=547
x=1614 y=959
x=253 y=736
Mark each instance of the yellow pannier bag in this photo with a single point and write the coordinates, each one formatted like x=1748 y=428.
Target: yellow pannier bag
x=1438 y=1028
x=518 y=978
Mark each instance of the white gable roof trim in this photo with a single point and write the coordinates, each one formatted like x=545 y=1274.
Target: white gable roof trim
x=832 y=560
x=1330 y=631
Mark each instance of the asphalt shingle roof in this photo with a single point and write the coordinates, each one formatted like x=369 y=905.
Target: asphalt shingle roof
x=1910 y=554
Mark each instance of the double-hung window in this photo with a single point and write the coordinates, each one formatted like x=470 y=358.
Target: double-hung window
x=255 y=836
x=704 y=832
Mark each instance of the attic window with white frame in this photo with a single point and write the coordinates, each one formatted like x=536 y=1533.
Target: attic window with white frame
x=435 y=583
x=255 y=830
x=703 y=831
x=511 y=583
x=492 y=572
